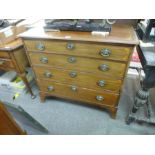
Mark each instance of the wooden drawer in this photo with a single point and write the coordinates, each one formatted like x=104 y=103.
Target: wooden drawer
x=6 y=64
x=100 y=67
x=77 y=93
x=4 y=54
x=81 y=79
x=93 y=50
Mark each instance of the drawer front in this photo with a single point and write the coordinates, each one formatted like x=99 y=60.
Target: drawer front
x=77 y=93
x=6 y=64
x=100 y=67
x=4 y=54
x=81 y=79
x=80 y=49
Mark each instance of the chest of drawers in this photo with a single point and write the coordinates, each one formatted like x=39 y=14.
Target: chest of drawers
x=81 y=66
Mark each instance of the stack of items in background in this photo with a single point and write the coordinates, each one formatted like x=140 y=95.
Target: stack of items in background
x=13 y=29
x=11 y=83
x=135 y=63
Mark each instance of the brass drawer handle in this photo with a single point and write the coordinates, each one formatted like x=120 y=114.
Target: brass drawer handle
x=104 y=67
x=105 y=52
x=48 y=74
x=73 y=74
x=70 y=46
x=71 y=59
x=50 y=88
x=40 y=46
x=2 y=62
x=99 y=98
x=44 y=60
x=74 y=88
x=101 y=83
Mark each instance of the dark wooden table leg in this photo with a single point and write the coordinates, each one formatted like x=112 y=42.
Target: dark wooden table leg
x=23 y=76
x=140 y=100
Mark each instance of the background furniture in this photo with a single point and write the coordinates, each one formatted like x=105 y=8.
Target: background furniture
x=146 y=30
x=146 y=53
x=13 y=57
x=24 y=119
x=81 y=66
x=8 y=126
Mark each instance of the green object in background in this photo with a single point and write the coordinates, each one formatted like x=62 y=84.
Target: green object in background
x=16 y=96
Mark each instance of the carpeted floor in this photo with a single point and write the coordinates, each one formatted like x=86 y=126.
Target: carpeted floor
x=63 y=117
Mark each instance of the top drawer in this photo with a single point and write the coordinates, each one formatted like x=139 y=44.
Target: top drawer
x=93 y=50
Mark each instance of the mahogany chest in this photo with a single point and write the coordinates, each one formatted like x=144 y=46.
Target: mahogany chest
x=81 y=66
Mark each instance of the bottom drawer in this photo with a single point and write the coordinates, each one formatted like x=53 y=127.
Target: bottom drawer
x=79 y=94
x=6 y=64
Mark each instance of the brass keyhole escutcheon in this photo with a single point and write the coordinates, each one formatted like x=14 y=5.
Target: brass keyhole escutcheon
x=101 y=83
x=105 y=52
x=104 y=67
x=71 y=59
x=99 y=98
x=44 y=60
x=73 y=74
x=70 y=46
x=40 y=46
x=50 y=88
x=48 y=74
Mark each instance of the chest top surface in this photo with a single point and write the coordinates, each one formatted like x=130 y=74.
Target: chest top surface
x=120 y=34
x=11 y=45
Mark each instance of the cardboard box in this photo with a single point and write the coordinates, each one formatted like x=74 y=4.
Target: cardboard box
x=10 y=33
x=20 y=29
x=7 y=35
